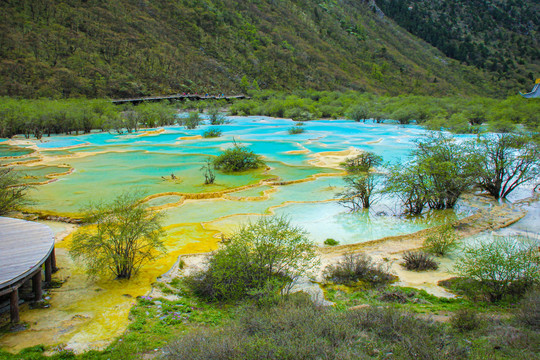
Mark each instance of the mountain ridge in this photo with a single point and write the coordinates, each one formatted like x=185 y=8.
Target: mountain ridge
x=99 y=48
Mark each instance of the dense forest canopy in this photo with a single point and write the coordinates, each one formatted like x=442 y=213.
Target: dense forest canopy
x=500 y=36
x=99 y=48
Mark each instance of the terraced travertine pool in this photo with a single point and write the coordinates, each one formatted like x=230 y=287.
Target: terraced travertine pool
x=106 y=164
x=301 y=183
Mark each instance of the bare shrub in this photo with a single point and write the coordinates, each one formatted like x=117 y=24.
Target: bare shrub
x=419 y=261
x=465 y=320
x=355 y=267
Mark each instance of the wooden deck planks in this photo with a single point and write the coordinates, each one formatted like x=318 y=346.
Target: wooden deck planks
x=24 y=246
x=179 y=97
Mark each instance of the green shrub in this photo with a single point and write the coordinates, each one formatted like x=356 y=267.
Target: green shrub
x=237 y=158
x=295 y=130
x=465 y=320
x=260 y=258
x=358 y=113
x=358 y=267
x=331 y=242
x=212 y=133
x=419 y=261
x=502 y=267
x=443 y=241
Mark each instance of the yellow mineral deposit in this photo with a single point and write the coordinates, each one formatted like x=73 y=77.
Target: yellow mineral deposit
x=89 y=313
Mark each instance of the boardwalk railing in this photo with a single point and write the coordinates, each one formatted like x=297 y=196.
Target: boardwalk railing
x=181 y=98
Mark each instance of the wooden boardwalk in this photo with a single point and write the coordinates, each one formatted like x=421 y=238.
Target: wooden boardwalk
x=179 y=97
x=24 y=247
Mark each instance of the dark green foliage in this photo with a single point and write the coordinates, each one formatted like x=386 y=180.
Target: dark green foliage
x=258 y=261
x=358 y=267
x=465 y=320
x=360 y=191
x=419 y=261
x=155 y=114
x=296 y=130
x=12 y=193
x=358 y=113
x=212 y=133
x=300 y=330
x=331 y=242
x=494 y=36
x=237 y=158
x=40 y=118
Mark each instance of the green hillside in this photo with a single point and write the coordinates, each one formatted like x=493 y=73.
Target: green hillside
x=499 y=36
x=99 y=48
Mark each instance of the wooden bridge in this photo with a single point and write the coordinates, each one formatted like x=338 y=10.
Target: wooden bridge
x=25 y=247
x=180 y=97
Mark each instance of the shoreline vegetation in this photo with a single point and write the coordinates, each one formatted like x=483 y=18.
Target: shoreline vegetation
x=42 y=118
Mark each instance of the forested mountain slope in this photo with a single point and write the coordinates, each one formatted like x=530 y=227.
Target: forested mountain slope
x=500 y=36
x=96 y=48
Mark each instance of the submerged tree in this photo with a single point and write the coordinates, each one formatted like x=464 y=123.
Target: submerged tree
x=208 y=172
x=216 y=118
x=122 y=236
x=362 y=162
x=506 y=161
x=359 y=191
x=191 y=122
x=439 y=172
x=361 y=184
x=406 y=183
x=12 y=193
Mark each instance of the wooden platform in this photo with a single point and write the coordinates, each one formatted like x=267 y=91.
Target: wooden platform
x=180 y=98
x=24 y=247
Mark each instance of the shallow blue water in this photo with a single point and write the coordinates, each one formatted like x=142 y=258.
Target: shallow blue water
x=131 y=160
